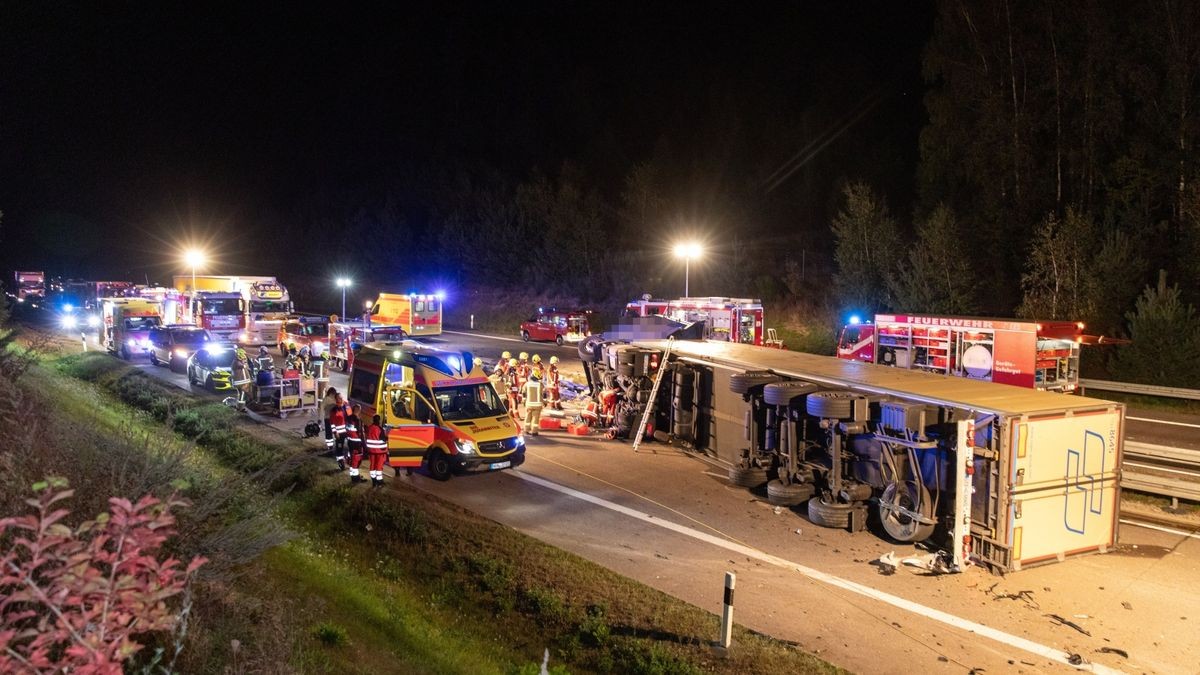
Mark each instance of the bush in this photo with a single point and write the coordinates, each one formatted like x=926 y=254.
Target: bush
x=331 y=634
x=74 y=598
x=1165 y=336
x=594 y=630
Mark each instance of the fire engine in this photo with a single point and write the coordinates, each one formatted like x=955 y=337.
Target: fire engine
x=418 y=315
x=727 y=319
x=1035 y=354
x=222 y=313
x=30 y=285
x=558 y=326
x=265 y=300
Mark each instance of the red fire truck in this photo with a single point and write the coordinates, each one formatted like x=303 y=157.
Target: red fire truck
x=1036 y=354
x=728 y=319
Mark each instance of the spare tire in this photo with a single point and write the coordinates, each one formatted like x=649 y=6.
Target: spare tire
x=789 y=494
x=783 y=393
x=589 y=348
x=911 y=496
x=742 y=383
x=747 y=478
x=828 y=515
x=837 y=405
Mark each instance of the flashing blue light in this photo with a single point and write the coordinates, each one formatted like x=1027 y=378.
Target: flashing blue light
x=214 y=349
x=453 y=362
x=440 y=295
x=68 y=308
x=855 y=320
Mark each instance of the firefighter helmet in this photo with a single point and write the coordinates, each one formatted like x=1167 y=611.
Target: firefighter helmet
x=534 y=375
x=524 y=356
x=537 y=359
x=553 y=360
x=512 y=363
x=506 y=355
x=477 y=363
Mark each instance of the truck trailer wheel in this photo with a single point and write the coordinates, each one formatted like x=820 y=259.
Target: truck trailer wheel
x=836 y=405
x=789 y=494
x=783 y=393
x=834 y=515
x=747 y=477
x=589 y=348
x=912 y=496
x=742 y=383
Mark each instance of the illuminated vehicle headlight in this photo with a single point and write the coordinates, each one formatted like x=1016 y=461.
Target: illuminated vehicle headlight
x=520 y=440
x=131 y=342
x=69 y=322
x=145 y=342
x=465 y=447
x=93 y=321
x=68 y=308
x=181 y=353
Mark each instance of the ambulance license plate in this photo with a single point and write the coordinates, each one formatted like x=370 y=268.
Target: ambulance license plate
x=499 y=465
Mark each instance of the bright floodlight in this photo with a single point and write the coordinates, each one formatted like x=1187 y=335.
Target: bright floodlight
x=343 y=282
x=689 y=250
x=194 y=258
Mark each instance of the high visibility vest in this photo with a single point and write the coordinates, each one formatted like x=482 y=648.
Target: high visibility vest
x=337 y=419
x=533 y=394
x=352 y=428
x=376 y=441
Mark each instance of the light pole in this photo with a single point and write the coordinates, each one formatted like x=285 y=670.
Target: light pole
x=343 y=283
x=194 y=258
x=687 y=251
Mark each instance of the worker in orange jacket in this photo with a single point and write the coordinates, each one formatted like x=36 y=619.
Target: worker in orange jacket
x=354 y=442
x=375 y=439
x=552 y=379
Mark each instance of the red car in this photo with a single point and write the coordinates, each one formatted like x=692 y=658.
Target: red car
x=552 y=325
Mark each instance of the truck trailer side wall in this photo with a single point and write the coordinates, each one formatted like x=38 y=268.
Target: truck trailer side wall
x=1044 y=467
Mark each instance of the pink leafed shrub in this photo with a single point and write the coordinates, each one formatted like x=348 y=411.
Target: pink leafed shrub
x=74 y=599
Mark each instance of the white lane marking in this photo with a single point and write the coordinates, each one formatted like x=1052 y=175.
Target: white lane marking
x=817 y=575
x=1148 y=526
x=1162 y=468
x=1154 y=421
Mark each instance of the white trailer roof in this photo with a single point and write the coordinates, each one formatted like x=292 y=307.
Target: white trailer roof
x=931 y=388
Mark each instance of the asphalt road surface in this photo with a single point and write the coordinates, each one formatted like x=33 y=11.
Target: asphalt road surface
x=672 y=521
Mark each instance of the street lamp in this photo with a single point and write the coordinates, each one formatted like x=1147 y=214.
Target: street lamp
x=687 y=251
x=193 y=258
x=343 y=283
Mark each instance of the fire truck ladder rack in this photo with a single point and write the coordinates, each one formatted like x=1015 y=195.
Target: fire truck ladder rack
x=662 y=369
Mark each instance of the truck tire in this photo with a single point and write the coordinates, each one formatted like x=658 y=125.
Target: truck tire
x=589 y=349
x=900 y=527
x=837 y=405
x=748 y=478
x=625 y=369
x=742 y=383
x=783 y=393
x=789 y=494
x=834 y=515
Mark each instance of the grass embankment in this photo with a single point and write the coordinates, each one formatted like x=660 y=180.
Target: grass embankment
x=381 y=581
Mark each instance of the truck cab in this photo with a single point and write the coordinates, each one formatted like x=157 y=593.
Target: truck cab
x=223 y=315
x=439 y=410
x=127 y=326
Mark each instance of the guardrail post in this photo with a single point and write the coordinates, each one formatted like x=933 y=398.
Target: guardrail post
x=727 y=613
x=472 y=322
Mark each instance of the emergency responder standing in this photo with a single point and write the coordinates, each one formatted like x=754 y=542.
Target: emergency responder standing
x=265 y=362
x=354 y=440
x=327 y=404
x=376 y=441
x=534 y=394
x=514 y=389
x=537 y=367
x=552 y=386
x=241 y=378
x=523 y=369
x=337 y=422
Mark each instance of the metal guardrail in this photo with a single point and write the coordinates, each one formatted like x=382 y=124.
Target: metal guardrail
x=1161 y=486
x=1182 y=456
x=1144 y=389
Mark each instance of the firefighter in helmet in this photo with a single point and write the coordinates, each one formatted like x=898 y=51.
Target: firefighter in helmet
x=536 y=367
x=552 y=384
x=514 y=389
x=534 y=397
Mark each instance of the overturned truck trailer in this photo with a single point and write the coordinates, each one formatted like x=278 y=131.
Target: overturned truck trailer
x=988 y=473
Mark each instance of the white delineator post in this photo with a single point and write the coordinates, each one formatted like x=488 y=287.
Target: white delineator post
x=727 y=613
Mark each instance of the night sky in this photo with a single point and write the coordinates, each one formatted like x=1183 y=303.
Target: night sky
x=127 y=128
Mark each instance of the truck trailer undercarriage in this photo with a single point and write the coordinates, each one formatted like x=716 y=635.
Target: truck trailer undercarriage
x=983 y=473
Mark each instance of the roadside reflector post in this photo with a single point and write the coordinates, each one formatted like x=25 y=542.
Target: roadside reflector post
x=472 y=322
x=727 y=613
